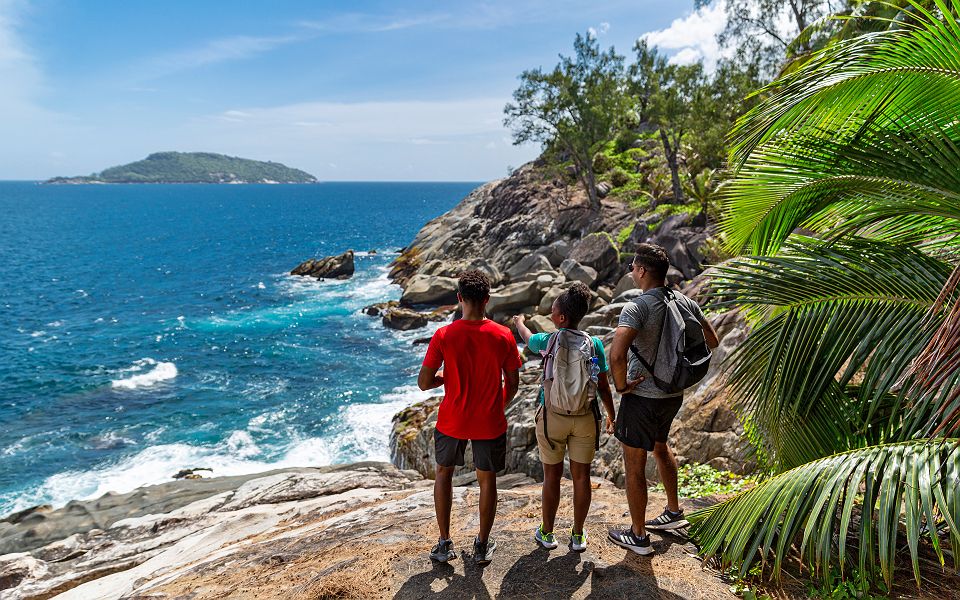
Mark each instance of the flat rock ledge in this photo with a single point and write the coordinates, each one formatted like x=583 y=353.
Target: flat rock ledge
x=353 y=531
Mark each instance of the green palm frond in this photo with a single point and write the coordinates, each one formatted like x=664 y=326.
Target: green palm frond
x=877 y=495
x=826 y=315
x=868 y=121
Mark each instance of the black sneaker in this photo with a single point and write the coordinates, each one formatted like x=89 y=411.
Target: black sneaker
x=443 y=551
x=626 y=538
x=483 y=551
x=667 y=520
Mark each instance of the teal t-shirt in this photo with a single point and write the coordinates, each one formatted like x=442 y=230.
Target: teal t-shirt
x=538 y=343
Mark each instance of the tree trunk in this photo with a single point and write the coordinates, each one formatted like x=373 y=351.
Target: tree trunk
x=671 y=151
x=588 y=180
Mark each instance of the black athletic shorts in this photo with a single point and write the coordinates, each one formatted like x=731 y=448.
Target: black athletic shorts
x=488 y=455
x=641 y=422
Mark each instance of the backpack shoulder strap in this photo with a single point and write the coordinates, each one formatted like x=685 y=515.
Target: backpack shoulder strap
x=667 y=296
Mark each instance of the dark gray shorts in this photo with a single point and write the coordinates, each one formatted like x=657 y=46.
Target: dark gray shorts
x=641 y=422
x=488 y=455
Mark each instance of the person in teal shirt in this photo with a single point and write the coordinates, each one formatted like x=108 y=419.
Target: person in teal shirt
x=576 y=432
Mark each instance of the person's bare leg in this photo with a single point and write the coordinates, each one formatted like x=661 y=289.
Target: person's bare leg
x=488 y=502
x=667 y=467
x=582 y=494
x=443 y=499
x=550 y=497
x=635 y=465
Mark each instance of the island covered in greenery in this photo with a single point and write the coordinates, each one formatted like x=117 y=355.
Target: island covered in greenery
x=193 y=167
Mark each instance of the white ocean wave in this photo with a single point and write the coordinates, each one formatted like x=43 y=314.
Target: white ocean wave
x=162 y=371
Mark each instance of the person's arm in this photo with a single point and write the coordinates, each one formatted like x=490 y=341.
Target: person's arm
x=511 y=383
x=606 y=398
x=429 y=378
x=522 y=328
x=622 y=338
x=709 y=334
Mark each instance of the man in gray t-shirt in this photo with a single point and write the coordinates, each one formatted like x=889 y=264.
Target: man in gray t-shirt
x=646 y=412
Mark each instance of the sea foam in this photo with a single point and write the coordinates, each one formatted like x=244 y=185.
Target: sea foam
x=162 y=371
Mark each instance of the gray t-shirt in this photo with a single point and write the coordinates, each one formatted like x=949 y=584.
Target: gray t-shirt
x=645 y=314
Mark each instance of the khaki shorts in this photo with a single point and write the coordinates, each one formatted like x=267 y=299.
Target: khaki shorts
x=578 y=432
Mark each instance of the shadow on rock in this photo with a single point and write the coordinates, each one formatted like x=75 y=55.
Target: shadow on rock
x=442 y=581
x=633 y=577
x=536 y=575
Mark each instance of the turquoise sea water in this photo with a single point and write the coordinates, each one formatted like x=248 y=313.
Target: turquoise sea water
x=152 y=328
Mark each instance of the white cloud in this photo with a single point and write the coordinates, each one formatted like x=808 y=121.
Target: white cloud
x=693 y=37
x=221 y=50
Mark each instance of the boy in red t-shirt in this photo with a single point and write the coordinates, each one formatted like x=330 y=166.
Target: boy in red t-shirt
x=481 y=373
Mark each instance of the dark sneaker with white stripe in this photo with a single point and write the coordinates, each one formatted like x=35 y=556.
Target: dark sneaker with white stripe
x=483 y=551
x=443 y=551
x=626 y=538
x=667 y=520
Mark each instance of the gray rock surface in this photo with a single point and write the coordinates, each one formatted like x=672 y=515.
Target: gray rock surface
x=514 y=297
x=404 y=319
x=330 y=267
x=598 y=252
x=429 y=290
x=574 y=271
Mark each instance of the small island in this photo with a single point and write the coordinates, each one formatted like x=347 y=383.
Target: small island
x=193 y=167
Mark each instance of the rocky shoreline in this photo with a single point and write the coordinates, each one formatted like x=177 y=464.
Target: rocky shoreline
x=294 y=528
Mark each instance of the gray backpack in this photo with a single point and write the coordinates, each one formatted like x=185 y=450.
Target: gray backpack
x=682 y=357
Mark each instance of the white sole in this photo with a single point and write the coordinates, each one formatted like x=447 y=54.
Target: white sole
x=669 y=526
x=636 y=549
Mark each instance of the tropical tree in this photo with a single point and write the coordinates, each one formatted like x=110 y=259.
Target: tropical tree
x=575 y=108
x=845 y=190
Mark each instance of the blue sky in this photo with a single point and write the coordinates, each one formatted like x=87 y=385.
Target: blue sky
x=344 y=90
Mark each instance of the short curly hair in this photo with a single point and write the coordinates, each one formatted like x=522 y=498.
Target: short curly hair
x=654 y=259
x=474 y=286
x=573 y=303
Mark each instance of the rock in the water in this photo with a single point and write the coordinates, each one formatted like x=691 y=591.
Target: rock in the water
x=404 y=319
x=378 y=309
x=574 y=271
x=598 y=252
x=421 y=341
x=330 y=267
x=430 y=290
x=191 y=473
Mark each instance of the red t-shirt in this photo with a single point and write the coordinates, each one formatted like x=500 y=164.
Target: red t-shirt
x=473 y=354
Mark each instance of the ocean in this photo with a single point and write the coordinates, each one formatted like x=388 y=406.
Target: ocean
x=148 y=329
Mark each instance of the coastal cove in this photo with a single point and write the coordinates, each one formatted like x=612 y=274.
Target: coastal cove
x=155 y=328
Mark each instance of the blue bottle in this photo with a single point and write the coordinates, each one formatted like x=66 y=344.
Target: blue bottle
x=594 y=368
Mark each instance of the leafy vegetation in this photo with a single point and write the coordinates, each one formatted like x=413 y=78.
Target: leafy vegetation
x=195 y=167
x=850 y=379
x=696 y=481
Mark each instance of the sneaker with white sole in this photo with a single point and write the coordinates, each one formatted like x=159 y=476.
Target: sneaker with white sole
x=578 y=541
x=443 y=551
x=667 y=520
x=547 y=540
x=483 y=551
x=626 y=538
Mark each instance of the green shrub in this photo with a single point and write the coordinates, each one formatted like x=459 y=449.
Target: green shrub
x=619 y=177
x=697 y=480
x=602 y=163
x=625 y=234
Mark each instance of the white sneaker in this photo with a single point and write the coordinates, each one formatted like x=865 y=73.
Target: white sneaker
x=578 y=541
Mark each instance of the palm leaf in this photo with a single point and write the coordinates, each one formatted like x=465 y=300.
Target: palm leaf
x=825 y=314
x=815 y=506
x=868 y=121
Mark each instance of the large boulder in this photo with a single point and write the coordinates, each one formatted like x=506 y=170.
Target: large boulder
x=541 y=324
x=556 y=252
x=598 y=252
x=404 y=319
x=330 y=267
x=607 y=316
x=514 y=297
x=427 y=289
x=626 y=283
x=531 y=263
x=575 y=271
